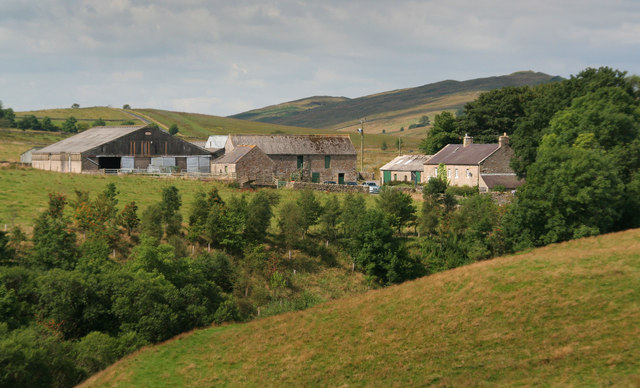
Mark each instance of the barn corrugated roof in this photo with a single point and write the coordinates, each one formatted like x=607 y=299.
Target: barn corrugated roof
x=406 y=163
x=216 y=141
x=235 y=155
x=298 y=144
x=458 y=154
x=89 y=139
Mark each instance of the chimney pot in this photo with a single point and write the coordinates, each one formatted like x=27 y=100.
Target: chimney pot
x=467 y=140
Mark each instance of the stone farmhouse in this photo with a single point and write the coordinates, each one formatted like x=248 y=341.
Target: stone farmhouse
x=404 y=168
x=482 y=165
x=133 y=147
x=311 y=158
x=244 y=163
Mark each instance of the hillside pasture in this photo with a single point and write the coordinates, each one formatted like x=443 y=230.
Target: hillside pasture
x=563 y=315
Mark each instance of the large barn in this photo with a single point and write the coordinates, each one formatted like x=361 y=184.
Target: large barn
x=314 y=158
x=125 y=148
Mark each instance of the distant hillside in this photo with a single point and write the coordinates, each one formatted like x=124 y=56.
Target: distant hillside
x=563 y=315
x=400 y=105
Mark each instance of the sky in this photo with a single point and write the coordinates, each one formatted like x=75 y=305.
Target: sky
x=225 y=57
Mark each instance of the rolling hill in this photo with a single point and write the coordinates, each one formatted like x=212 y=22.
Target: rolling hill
x=395 y=108
x=563 y=315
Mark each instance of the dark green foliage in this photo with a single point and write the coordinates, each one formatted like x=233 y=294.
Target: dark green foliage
x=259 y=214
x=7 y=254
x=29 y=122
x=443 y=132
x=330 y=218
x=463 y=191
x=47 y=125
x=53 y=243
x=128 y=217
x=398 y=207
x=309 y=208
x=70 y=125
x=151 y=221
x=98 y=123
x=173 y=129
x=378 y=253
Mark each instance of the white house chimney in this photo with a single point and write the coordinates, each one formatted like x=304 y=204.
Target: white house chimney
x=503 y=140
x=467 y=140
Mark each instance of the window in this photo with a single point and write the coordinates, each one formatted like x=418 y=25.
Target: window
x=435 y=171
x=395 y=177
x=327 y=161
x=300 y=161
x=456 y=173
x=468 y=174
x=448 y=173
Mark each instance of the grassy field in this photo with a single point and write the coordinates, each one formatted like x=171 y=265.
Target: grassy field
x=563 y=315
x=25 y=190
x=14 y=142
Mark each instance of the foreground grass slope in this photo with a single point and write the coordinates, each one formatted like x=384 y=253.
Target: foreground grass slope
x=565 y=314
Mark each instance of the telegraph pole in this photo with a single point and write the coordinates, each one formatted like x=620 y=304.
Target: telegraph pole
x=361 y=131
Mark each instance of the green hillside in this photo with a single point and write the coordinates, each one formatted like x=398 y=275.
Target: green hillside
x=404 y=104
x=563 y=315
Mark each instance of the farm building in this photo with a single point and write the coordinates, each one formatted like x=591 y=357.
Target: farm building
x=245 y=163
x=481 y=165
x=312 y=158
x=26 y=156
x=404 y=168
x=126 y=148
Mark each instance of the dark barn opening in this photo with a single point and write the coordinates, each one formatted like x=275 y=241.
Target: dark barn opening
x=109 y=162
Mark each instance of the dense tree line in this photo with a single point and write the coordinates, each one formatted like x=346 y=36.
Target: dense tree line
x=577 y=144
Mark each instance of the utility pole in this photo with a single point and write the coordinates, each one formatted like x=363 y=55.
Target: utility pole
x=361 y=131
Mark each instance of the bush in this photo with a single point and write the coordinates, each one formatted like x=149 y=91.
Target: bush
x=463 y=191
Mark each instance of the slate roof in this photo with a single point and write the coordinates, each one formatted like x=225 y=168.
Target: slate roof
x=510 y=181
x=233 y=156
x=298 y=144
x=406 y=163
x=89 y=139
x=454 y=154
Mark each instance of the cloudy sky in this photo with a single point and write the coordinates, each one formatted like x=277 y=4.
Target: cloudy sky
x=224 y=57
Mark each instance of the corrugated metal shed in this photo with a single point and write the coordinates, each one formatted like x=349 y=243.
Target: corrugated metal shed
x=406 y=163
x=297 y=144
x=89 y=139
x=458 y=154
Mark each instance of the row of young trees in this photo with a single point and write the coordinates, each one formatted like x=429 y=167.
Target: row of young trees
x=577 y=144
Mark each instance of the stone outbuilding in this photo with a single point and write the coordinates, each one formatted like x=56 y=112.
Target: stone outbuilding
x=122 y=148
x=311 y=158
x=482 y=165
x=246 y=163
x=404 y=168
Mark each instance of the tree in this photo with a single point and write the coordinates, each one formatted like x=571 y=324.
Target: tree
x=398 y=207
x=310 y=210
x=151 y=221
x=170 y=207
x=259 y=214
x=47 y=125
x=70 y=125
x=126 y=106
x=128 y=217
x=75 y=106
x=443 y=132
x=424 y=121
x=330 y=218
x=99 y=123
x=173 y=129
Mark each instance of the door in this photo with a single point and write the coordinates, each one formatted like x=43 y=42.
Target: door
x=341 y=178
x=315 y=177
x=418 y=177
x=386 y=176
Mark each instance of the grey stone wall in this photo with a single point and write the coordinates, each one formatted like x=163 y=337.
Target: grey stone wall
x=285 y=165
x=329 y=188
x=498 y=162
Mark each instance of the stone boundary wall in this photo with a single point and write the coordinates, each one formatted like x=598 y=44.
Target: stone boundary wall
x=328 y=188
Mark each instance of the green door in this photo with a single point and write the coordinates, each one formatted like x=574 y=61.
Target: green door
x=341 y=178
x=386 y=176
x=315 y=177
x=417 y=177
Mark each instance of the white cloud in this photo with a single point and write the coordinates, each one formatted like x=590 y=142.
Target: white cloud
x=229 y=56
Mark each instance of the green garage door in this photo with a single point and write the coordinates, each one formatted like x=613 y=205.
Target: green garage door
x=386 y=176
x=315 y=177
